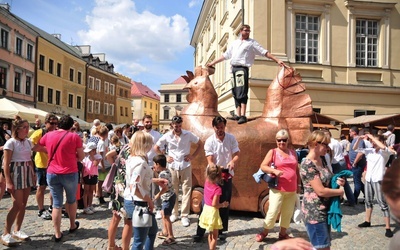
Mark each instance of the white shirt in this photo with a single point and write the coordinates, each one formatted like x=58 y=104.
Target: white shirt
x=178 y=147
x=21 y=150
x=221 y=151
x=138 y=175
x=242 y=52
x=156 y=136
x=376 y=162
x=337 y=150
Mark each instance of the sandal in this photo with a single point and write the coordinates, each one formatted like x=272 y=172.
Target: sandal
x=114 y=248
x=161 y=235
x=261 y=236
x=284 y=236
x=168 y=242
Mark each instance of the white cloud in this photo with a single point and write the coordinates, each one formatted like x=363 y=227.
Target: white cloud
x=193 y=3
x=131 y=38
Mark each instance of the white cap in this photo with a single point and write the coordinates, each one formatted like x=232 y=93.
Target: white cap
x=89 y=147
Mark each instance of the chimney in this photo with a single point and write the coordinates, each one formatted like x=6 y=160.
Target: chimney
x=5 y=6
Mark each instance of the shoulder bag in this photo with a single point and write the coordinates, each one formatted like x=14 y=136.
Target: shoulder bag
x=271 y=179
x=142 y=217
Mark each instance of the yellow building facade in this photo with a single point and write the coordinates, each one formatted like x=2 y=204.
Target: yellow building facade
x=345 y=51
x=145 y=102
x=123 y=100
x=61 y=79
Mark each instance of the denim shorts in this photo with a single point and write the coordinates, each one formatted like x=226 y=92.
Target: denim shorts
x=319 y=234
x=128 y=207
x=168 y=205
x=41 y=176
x=60 y=182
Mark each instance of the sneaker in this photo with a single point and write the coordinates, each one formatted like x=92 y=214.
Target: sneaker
x=8 y=240
x=87 y=211
x=365 y=224
x=185 y=221
x=389 y=233
x=158 y=214
x=242 y=119
x=50 y=209
x=173 y=218
x=92 y=209
x=222 y=236
x=197 y=238
x=20 y=235
x=44 y=214
x=101 y=200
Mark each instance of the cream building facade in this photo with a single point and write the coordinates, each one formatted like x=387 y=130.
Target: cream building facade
x=346 y=51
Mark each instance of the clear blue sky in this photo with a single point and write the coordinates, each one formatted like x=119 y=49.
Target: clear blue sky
x=146 y=40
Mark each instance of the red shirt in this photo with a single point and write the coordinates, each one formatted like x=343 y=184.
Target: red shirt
x=288 y=181
x=64 y=160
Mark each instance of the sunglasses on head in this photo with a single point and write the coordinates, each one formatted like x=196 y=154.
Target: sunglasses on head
x=281 y=140
x=322 y=143
x=177 y=119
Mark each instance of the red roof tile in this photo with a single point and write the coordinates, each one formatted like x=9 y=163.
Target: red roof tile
x=138 y=89
x=180 y=80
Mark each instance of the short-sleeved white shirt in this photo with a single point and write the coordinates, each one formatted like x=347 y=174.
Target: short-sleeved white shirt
x=376 y=162
x=243 y=52
x=150 y=155
x=222 y=151
x=21 y=150
x=178 y=147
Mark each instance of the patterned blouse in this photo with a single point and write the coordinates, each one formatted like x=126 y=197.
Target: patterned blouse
x=315 y=208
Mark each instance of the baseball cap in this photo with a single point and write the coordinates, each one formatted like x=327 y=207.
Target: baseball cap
x=89 y=147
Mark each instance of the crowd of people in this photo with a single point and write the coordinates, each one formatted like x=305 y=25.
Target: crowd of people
x=58 y=154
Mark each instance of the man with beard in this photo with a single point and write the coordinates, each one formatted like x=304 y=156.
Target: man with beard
x=242 y=53
x=222 y=149
x=147 y=122
x=178 y=142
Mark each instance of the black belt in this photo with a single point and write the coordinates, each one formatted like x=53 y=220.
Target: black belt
x=140 y=203
x=239 y=66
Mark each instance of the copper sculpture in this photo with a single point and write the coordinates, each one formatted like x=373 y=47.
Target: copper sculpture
x=286 y=106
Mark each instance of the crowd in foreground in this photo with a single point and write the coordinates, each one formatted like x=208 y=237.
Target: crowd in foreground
x=140 y=160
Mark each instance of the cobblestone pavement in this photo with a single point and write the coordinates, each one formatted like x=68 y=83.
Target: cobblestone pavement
x=243 y=227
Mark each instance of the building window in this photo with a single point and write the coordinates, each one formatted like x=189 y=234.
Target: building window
x=59 y=69
x=106 y=87
x=166 y=97
x=79 y=77
x=97 y=85
x=50 y=96
x=111 y=110
x=105 y=111
x=317 y=110
x=29 y=52
x=126 y=111
x=145 y=104
x=97 y=107
x=17 y=82
x=178 y=97
x=51 y=65
x=151 y=105
x=166 y=114
x=90 y=106
x=4 y=39
x=70 y=100
x=363 y=112
x=126 y=94
x=28 y=85
x=58 y=97
x=307 y=38
x=121 y=91
x=71 y=75
x=18 y=46
x=121 y=111
x=79 y=102
x=112 y=89
x=156 y=106
x=41 y=62
x=91 y=83
x=3 y=78
x=40 y=93
x=366 y=43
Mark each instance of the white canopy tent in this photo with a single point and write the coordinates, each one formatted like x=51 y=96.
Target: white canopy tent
x=9 y=109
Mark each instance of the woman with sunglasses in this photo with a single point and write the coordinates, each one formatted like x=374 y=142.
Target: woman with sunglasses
x=316 y=178
x=282 y=198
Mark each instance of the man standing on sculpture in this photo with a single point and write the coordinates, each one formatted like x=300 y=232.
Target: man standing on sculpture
x=222 y=149
x=242 y=53
x=178 y=142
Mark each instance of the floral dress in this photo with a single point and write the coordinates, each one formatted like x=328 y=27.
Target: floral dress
x=315 y=208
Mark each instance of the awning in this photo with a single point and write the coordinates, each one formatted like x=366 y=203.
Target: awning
x=322 y=126
x=378 y=120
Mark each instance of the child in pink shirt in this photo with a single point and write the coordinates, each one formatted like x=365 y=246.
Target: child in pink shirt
x=90 y=176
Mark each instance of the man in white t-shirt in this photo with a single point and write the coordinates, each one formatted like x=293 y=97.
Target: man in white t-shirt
x=178 y=142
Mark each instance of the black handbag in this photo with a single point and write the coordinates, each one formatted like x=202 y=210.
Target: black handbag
x=271 y=179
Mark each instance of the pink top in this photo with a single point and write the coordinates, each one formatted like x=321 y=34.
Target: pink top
x=65 y=158
x=88 y=168
x=210 y=190
x=288 y=181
